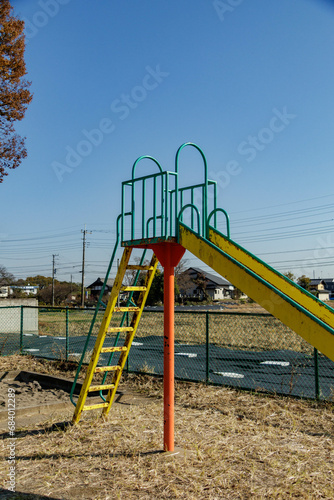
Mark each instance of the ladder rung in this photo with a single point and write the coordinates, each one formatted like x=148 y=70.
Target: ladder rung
x=140 y=268
x=133 y=289
x=93 y=407
x=100 y=387
x=100 y=369
x=113 y=329
x=114 y=349
x=127 y=309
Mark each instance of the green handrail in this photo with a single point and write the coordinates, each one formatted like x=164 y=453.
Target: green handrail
x=205 y=185
x=214 y=212
x=145 y=157
x=168 y=199
x=179 y=218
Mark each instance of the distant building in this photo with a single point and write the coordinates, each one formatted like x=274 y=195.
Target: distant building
x=27 y=289
x=329 y=285
x=4 y=292
x=217 y=287
x=322 y=288
x=96 y=287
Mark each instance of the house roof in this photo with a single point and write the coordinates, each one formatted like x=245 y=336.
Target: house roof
x=316 y=281
x=99 y=282
x=321 y=280
x=328 y=280
x=216 y=280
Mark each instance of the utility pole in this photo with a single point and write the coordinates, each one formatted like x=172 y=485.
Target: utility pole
x=84 y=231
x=53 y=277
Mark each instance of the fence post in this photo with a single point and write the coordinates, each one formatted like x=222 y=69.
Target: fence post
x=207 y=346
x=67 y=333
x=21 y=329
x=316 y=373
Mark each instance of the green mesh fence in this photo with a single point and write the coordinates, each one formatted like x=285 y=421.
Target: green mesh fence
x=248 y=351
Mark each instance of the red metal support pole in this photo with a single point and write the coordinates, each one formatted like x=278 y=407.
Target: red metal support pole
x=168 y=354
x=169 y=255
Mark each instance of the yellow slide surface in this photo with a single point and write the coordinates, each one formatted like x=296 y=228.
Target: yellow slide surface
x=302 y=312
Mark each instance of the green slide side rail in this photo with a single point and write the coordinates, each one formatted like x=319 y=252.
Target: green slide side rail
x=296 y=316
x=278 y=280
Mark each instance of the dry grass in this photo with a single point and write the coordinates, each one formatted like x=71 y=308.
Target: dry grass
x=29 y=363
x=241 y=446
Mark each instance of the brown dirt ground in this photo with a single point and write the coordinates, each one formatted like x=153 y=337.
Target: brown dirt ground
x=29 y=393
x=238 y=446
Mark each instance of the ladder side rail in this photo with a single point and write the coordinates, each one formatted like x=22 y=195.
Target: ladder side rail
x=130 y=336
x=102 y=334
x=99 y=302
x=124 y=316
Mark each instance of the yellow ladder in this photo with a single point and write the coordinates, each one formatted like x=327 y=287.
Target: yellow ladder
x=116 y=371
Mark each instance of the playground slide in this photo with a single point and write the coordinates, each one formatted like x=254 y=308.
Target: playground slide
x=299 y=310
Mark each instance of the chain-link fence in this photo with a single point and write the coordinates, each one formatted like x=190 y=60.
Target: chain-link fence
x=249 y=351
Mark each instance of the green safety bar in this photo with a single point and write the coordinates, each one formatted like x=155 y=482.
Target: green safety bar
x=143 y=179
x=168 y=201
x=179 y=219
x=214 y=212
x=205 y=185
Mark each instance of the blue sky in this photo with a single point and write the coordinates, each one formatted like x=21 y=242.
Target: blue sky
x=250 y=82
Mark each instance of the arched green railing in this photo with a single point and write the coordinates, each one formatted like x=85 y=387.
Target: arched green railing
x=214 y=213
x=204 y=185
x=153 y=204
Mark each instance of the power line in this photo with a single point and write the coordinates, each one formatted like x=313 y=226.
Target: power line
x=285 y=204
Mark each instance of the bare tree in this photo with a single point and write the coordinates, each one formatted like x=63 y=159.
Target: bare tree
x=183 y=280
x=6 y=278
x=201 y=282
